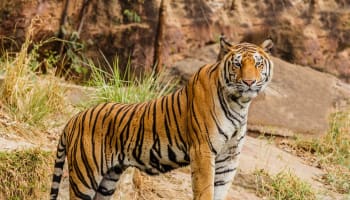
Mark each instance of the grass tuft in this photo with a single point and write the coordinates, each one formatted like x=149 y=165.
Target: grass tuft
x=337 y=178
x=24 y=174
x=281 y=186
x=115 y=87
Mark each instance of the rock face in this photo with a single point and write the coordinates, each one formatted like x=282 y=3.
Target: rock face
x=311 y=33
x=107 y=30
x=299 y=100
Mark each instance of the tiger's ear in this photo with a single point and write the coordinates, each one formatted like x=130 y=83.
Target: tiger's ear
x=224 y=47
x=267 y=45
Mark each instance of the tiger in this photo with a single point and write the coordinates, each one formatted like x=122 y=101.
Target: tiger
x=202 y=124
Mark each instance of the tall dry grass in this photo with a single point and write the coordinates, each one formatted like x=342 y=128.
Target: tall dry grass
x=26 y=96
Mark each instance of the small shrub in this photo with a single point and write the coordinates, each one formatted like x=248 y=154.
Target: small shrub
x=132 y=16
x=282 y=186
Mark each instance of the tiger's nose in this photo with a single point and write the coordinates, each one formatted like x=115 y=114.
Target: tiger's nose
x=249 y=82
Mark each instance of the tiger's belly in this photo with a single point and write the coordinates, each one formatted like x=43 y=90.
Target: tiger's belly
x=155 y=161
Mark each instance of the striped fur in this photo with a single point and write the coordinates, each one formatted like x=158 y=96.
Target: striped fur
x=202 y=125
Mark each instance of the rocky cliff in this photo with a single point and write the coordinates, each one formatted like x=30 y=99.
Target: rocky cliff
x=312 y=33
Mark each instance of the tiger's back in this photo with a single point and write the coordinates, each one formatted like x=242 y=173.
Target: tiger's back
x=203 y=124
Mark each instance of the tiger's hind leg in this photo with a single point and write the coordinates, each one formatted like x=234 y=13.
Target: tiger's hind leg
x=78 y=190
x=107 y=186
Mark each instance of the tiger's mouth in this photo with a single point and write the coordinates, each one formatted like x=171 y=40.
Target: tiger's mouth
x=249 y=92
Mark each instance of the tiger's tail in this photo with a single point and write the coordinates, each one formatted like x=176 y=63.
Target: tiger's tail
x=58 y=171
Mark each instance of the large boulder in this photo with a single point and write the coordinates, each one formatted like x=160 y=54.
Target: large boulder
x=299 y=99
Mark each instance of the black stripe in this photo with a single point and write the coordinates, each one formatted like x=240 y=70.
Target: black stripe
x=171 y=155
x=226 y=73
x=225 y=171
x=130 y=132
x=228 y=158
x=179 y=100
x=118 y=170
x=149 y=109
x=74 y=153
x=195 y=134
x=74 y=121
x=123 y=109
x=162 y=103
x=84 y=157
x=156 y=144
x=240 y=138
x=224 y=159
x=96 y=118
x=56 y=178
x=89 y=171
x=225 y=108
x=221 y=132
x=54 y=193
x=102 y=155
x=120 y=134
x=105 y=192
x=108 y=140
x=111 y=179
x=59 y=164
x=193 y=112
x=174 y=120
x=220 y=183
x=213 y=68
x=212 y=149
x=91 y=111
x=167 y=131
x=106 y=115
x=137 y=151
x=154 y=161
x=165 y=168
x=167 y=111
x=184 y=149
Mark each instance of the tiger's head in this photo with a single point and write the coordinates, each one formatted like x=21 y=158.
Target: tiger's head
x=247 y=68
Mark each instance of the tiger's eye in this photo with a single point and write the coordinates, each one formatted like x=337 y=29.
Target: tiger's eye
x=237 y=60
x=258 y=60
x=237 y=64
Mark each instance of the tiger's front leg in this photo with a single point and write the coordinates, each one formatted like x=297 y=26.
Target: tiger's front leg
x=226 y=164
x=225 y=171
x=202 y=171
